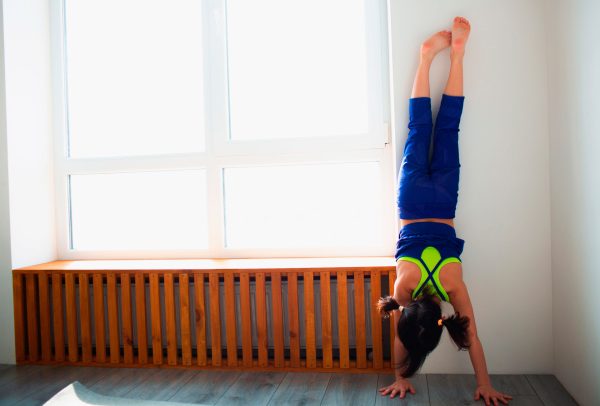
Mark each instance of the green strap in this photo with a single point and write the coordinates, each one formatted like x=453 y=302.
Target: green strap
x=430 y=264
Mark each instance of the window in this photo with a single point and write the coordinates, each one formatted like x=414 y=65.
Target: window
x=222 y=128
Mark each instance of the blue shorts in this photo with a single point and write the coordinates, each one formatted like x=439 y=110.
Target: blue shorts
x=415 y=237
x=430 y=189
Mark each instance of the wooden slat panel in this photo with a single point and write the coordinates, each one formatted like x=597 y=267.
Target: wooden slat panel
x=57 y=308
x=184 y=311
x=155 y=321
x=113 y=317
x=359 y=311
x=140 y=317
x=261 y=320
x=391 y=281
x=99 y=318
x=215 y=319
x=45 y=333
x=32 y=317
x=245 y=308
x=326 y=338
x=342 y=315
x=230 y=319
x=294 y=322
x=376 y=320
x=309 y=316
x=85 y=319
x=71 y=316
x=277 y=307
x=19 y=311
x=171 y=325
x=200 y=318
x=126 y=318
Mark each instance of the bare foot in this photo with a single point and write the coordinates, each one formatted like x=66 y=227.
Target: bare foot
x=434 y=44
x=460 y=33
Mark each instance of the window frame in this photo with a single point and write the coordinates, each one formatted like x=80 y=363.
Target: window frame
x=221 y=152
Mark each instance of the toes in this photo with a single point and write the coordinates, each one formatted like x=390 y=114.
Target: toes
x=461 y=20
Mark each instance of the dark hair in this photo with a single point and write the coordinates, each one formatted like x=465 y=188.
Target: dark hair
x=419 y=331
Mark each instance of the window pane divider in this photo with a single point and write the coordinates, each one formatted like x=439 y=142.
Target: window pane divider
x=221 y=152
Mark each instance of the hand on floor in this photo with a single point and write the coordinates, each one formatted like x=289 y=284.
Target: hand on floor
x=400 y=386
x=490 y=394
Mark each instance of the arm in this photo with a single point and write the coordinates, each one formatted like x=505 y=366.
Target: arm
x=403 y=297
x=462 y=304
x=399 y=350
x=401 y=385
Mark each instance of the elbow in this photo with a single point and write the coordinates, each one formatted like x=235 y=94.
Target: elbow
x=472 y=337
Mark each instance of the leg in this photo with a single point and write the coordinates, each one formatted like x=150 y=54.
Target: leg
x=445 y=164
x=429 y=49
x=460 y=34
x=414 y=184
x=416 y=149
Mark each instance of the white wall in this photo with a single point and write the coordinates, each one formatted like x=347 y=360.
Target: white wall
x=29 y=149
x=503 y=211
x=574 y=83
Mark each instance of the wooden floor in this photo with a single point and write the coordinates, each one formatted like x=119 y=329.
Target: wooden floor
x=34 y=384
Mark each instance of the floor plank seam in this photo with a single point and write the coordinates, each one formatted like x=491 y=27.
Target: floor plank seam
x=428 y=392
x=531 y=387
x=227 y=388
x=138 y=384
x=325 y=391
x=275 y=391
x=535 y=391
x=39 y=383
x=181 y=386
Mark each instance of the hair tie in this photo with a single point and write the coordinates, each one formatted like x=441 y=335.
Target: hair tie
x=440 y=321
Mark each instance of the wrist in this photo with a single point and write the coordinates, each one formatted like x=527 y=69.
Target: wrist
x=399 y=377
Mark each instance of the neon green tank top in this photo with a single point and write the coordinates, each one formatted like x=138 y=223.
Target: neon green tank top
x=430 y=264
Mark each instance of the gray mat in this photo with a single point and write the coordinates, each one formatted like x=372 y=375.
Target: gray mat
x=77 y=394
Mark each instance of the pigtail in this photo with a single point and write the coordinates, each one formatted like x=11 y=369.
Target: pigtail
x=385 y=305
x=457 y=328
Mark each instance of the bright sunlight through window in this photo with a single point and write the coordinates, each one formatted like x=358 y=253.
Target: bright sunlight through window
x=300 y=74
x=223 y=129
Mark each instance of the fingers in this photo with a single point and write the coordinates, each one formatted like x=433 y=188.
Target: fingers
x=402 y=392
x=393 y=391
